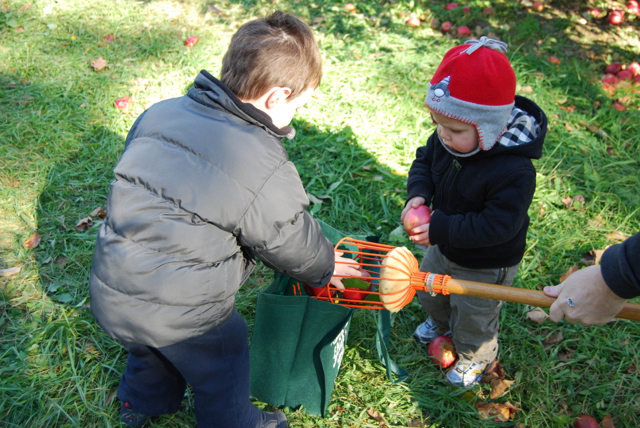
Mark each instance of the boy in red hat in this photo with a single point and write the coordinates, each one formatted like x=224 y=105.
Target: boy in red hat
x=476 y=173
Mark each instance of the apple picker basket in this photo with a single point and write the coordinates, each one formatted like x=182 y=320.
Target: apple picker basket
x=396 y=272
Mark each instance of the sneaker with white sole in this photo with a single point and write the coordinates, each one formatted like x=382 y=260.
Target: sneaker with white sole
x=427 y=331
x=466 y=373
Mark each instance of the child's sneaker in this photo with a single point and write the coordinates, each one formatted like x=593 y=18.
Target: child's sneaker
x=275 y=419
x=466 y=373
x=427 y=331
x=131 y=418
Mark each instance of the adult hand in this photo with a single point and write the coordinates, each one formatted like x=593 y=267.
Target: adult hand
x=344 y=267
x=593 y=301
x=421 y=233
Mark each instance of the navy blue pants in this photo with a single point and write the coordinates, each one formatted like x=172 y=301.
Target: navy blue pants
x=215 y=364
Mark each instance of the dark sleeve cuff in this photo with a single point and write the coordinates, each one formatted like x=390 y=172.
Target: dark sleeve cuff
x=325 y=279
x=617 y=270
x=439 y=233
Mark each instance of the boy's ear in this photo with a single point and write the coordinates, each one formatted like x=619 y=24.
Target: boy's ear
x=277 y=96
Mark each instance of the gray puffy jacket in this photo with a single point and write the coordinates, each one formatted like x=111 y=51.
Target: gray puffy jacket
x=204 y=186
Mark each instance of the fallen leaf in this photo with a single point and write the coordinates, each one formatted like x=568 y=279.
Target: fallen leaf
x=537 y=315
x=568 y=127
x=33 y=241
x=212 y=8
x=123 y=103
x=497 y=412
x=377 y=416
x=84 y=224
x=567 y=201
x=499 y=387
x=99 y=64
x=579 y=198
x=633 y=369
x=191 y=41
x=592 y=257
x=10 y=272
x=528 y=89
x=607 y=421
x=617 y=236
x=555 y=337
x=566 y=355
x=98 y=212
x=569 y=109
x=61 y=261
x=571 y=270
x=494 y=371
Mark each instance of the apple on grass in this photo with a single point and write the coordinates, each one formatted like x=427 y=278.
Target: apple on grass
x=585 y=421
x=416 y=217
x=634 y=68
x=451 y=6
x=442 y=351
x=413 y=21
x=446 y=26
x=615 y=17
x=625 y=75
x=463 y=31
x=538 y=5
x=613 y=68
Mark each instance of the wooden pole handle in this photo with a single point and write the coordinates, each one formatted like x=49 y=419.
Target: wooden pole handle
x=521 y=295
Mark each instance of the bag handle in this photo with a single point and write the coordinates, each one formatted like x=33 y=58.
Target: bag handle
x=382 y=344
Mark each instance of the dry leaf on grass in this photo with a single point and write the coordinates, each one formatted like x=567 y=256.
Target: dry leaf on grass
x=99 y=64
x=566 y=355
x=494 y=371
x=592 y=257
x=84 y=223
x=33 y=241
x=617 y=236
x=377 y=416
x=555 y=337
x=98 y=212
x=607 y=421
x=499 y=387
x=10 y=272
x=537 y=315
x=497 y=412
x=571 y=270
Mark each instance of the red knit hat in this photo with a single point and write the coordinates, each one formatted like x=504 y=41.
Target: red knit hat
x=475 y=84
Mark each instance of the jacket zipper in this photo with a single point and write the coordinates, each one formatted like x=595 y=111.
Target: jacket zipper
x=455 y=165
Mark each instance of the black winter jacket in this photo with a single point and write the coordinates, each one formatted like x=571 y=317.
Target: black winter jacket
x=480 y=202
x=620 y=267
x=204 y=186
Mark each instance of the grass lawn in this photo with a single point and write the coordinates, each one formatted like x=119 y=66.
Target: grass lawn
x=61 y=135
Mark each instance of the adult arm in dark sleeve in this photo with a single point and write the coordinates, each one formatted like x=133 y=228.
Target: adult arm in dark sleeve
x=621 y=267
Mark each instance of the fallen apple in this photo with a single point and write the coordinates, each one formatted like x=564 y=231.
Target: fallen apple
x=451 y=6
x=350 y=7
x=538 y=5
x=446 y=26
x=633 y=7
x=615 y=17
x=463 y=31
x=488 y=11
x=636 y=78
x=595 y=12
x=416 y=217
x=413 y=21
x=613 y=68
x=442 y=351
x=610 y=79
x=585 y=421
x=618 y=106
x=634 y=68
x=466 y=10
x=625 y=75
x=191 y=41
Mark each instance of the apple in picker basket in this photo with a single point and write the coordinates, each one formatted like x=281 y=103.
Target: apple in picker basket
x=318 y=292
x=355 y=293
x=442 y=351
x=416 y=217
x=585 y=421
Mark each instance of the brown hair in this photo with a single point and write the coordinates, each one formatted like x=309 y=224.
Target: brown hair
x=278 y=50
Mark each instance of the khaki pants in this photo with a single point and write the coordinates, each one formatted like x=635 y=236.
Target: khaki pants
x=473 y=321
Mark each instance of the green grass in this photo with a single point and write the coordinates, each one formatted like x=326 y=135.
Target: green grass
x=60 y=137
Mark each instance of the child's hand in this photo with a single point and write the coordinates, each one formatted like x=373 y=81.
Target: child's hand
x=344 y=267
x=421 y=235
x=413 y=203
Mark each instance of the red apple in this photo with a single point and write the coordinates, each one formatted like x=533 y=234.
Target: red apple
x=350 y=7
x=595 y=12
x=615 y=17
x=633 y=7
x=442 y=351
x=488 y=11
x=451 y=6
x=191 y=41
x=610 y=79
x=446 y=26
x=625 y=75
x=416 y=217
x=538 y=5
x=636 y=78
x=618 y=106
x=463 y=31
x=634 y=68
x=585 y=421
x=355 y=293
x=318 y=292
x=466 y=10
x=613 y=68
x=413 y=21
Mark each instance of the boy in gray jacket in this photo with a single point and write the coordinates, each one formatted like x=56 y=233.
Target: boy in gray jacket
x=204 y=187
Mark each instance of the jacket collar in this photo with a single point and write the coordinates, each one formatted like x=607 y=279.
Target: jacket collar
x=212 y=92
